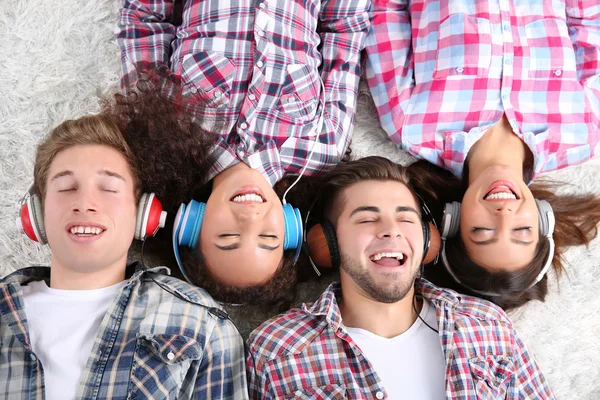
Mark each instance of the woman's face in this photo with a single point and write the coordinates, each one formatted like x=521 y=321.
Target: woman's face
x=499 y=220
x=242 y=231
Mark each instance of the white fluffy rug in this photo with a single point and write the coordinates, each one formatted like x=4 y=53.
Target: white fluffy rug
x=58 y=56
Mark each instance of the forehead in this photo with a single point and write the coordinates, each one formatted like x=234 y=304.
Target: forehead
x=81 y=158
x=377 y=193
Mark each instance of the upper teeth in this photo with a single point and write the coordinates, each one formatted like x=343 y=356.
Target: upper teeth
x=501 y=196
x=85 y=229
x=248 y=197
x=379 y=256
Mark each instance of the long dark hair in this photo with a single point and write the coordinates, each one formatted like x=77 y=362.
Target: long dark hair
x=577 y=218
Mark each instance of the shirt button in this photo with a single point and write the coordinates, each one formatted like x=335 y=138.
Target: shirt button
x=260 y=64
x=290 y=100
x=252 y=97
x=218 y=94
x=508 y=61
x=506 y=27
x=261 y=33
x=558 y=72
x=243 y=125
x=193 y=89
x=170 y=356
x=262 y=6
x=460 y=70
x=33 y=357
x=379 y=395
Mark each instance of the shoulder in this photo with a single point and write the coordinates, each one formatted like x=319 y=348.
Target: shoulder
x=286 y=333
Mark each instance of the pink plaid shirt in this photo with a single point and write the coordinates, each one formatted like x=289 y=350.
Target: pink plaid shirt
x=307 y=353
x=441 y=73
x=258 y=66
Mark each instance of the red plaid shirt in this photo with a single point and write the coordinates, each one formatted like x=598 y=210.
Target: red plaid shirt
x=307 y=353
x=258 y=66
x=441 y=73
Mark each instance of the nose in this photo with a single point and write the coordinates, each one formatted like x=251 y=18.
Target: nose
x=249 y=215
x=504 y=208
x=390 y=230
x=85 y=202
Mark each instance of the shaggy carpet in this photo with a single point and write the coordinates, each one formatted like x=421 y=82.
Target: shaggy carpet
x=58 y=57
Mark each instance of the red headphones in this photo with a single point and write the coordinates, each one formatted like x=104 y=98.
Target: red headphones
x=150 y=217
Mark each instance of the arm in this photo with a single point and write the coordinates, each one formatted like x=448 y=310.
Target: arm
x=144 y=37
x=528 y=381
x=584 y=29
x=343 y=26
x=389 y=63
x=222 y=372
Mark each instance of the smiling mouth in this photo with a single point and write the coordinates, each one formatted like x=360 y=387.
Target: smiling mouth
x=246 y=198
x=85 y=230
x=389 y=259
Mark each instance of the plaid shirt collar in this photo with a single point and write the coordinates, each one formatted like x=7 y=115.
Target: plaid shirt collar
x=327 y=305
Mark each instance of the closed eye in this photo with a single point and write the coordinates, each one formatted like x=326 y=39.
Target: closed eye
x=268 y=236
x=225 y=235
x=523 y=228
x=66 y=190
x=479 y=229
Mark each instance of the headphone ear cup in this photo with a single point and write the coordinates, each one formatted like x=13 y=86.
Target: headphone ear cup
x=451 y=220
x=292 y=221
x=322 y=245
x=150 y=216
x=435 y=243
x=544 y=208
x=31 y=220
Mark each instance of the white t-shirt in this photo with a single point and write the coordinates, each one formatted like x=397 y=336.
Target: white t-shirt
x=410 y=365
x=63 y=325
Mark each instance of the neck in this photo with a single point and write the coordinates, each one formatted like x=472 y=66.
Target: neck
x=65 y=278
x=498 y=146
x=383 y=319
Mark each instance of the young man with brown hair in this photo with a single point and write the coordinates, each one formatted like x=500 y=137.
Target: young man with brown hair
x=91 y=326
x=384 y=332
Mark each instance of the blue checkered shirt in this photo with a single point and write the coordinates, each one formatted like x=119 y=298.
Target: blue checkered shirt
x=150 y=345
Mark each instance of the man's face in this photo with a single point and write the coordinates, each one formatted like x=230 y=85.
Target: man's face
x=380 y=237
x=89 y=209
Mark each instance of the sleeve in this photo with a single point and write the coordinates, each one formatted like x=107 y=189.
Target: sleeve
x=343 y=26
x=528 y=381
x=389 y=62
x=583 y=20
x=222 y=372
x=144 y=36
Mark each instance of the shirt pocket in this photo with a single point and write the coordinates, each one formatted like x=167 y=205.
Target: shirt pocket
x=550 y=50
x=160 y=364
x=327 y=392
x=464 y=46
x=300 y=92
x=209 y=76
x=491 y=375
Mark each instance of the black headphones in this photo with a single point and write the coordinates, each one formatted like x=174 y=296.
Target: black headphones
x=320 y=241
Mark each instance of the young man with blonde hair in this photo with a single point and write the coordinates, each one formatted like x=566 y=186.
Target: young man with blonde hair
x=91 y=326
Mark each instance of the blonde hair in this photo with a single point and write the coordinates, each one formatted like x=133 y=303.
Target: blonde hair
x=89 y=130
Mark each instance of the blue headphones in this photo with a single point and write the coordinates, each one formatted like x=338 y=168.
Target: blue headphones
x=188 y=224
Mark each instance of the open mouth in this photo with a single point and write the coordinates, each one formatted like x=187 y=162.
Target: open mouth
x=501 y=191
x=389 y=259
x=248 y=195
x=85 y=230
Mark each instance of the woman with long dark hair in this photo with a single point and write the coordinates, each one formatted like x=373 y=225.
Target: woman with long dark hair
x=497 y=96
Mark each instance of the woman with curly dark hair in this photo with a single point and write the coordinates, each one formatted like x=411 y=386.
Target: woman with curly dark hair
x=240 y=256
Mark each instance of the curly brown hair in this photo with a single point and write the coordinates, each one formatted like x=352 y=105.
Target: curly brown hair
x=577 y=218
x=173 y=157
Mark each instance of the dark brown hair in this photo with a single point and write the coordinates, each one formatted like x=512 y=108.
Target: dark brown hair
x=172 y=153
x=577 y=218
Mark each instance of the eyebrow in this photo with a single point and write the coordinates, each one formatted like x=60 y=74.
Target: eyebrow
x=374 y=209
x=495 y=240
x=105 y=172
x=236 y=246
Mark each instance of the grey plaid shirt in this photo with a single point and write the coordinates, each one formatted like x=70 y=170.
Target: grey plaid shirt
x=151 y=344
